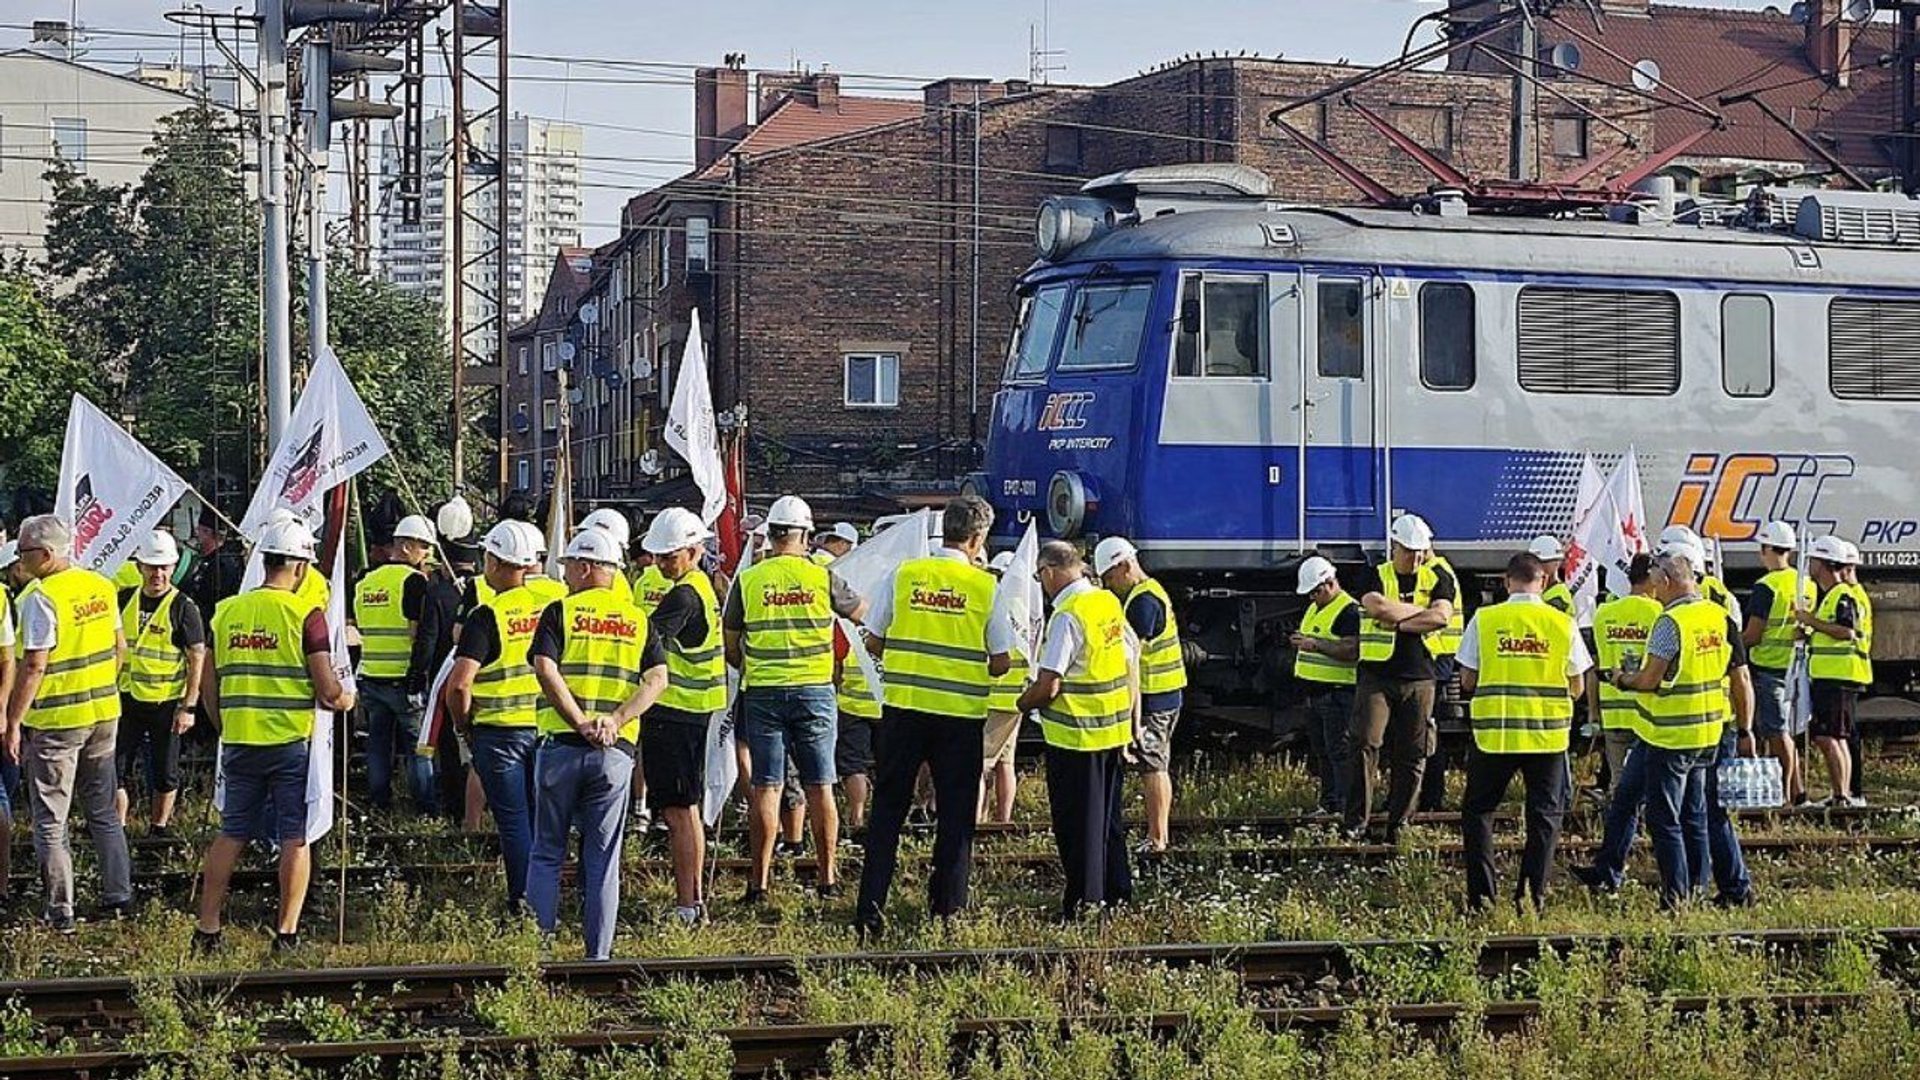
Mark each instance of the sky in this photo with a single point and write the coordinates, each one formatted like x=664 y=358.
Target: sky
x=638 y=115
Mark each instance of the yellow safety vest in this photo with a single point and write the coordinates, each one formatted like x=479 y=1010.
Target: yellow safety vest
x=606 y=633
x=386 y=642
x=1162 y=668
x=1832 y=659
x=484 y=592
x=266 y=692
x=855 y=695
x=1620 y=629
x=1774 y=650
x=156 y=671
x=650 y=587
x=1376 y=640
x=1317 y=624
x=505 y=691
x=81 y=687
x=1004 y=697
x=697 y=676
x=1094 y=710
x=936 y=646
x=1712 y=588
x=1687 y=711
x=315 y=590
x=1521 y=703
x=1559 y=597
x=789 y=623
x=128 y=576
x=551 y=589
x=821 y=558
x=1445 y=641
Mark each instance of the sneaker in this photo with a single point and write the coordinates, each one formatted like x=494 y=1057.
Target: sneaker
x=286 y=943
x=61 y=924
x=690 y=916
x=1822 y=804
x=117 y=910
x=830 y=890
x=206 y=942
x=870 y=930
x=755 y=896
x=790 y=849
x=1594 y=878
x=1855 y=801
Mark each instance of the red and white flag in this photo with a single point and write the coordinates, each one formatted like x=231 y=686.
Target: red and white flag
x=113 y=491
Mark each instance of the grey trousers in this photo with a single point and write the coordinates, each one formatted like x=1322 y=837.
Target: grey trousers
x=583 y=789
x=65 y=767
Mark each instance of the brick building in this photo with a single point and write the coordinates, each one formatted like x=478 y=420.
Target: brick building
x=530 y=398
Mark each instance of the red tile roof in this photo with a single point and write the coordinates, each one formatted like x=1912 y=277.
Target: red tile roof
x=797 y=120
x=1711 y=52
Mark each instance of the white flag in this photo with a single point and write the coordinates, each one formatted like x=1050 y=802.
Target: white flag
x=723 y=766
x=869 y=569
x=1581 y=571
x=1018 y=596
x=320 y=749
x=329 y=439
x=1629 y=533
x=691 y=429
x=112 y=489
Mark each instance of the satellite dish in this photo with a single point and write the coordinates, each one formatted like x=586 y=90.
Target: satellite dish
x=576 y=395
x=1801 y=12
x=521 y=422
x=1860 y=10
x=614 y=379
x=643 y=368
x=590 y=313
x=650 y=463
x=1646 y=76
x=1564 y=56
x=566 y=352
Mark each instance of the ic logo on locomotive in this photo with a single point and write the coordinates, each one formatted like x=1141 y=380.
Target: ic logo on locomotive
x=1730 y=497
x=1065 y=412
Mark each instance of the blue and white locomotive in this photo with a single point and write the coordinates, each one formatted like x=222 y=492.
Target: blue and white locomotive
x=1234 y=382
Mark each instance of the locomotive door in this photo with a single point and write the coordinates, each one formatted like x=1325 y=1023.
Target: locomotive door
x=1339 y=378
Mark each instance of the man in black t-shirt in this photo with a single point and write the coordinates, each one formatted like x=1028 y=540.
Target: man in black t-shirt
x=160 y=683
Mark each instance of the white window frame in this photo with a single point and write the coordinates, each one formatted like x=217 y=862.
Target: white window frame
x=846 y=379
x=522 y=474
x=550 y=415
x=524 y=351
x=549 y=356
x=54 y=127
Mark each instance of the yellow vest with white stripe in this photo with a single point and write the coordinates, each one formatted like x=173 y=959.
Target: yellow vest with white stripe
x=1445 y=641
x=81 y=687
x=1162 y=668
x=315 y=590
x=550 y=589
x=1376 y=639
x=1317 y=624
x=1521 y=699
x=1774 y=650
x=937 y=643
x=1834 y=660
x=1690 y=707
x=1094 y=710
x=156 y=670
x=697 y=676
x=505 y=692
x=266 y=692
x=605 y=633
x=386 y=642
x=1004 y=697
x=855 y=694
x=1559 y=597
x=650 y=587
x=788 y=612
x=1620 y=630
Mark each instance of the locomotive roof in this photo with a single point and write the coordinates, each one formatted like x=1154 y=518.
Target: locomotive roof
x=1499 y=244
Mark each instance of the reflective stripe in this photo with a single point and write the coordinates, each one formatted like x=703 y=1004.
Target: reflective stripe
x=1163 y=669
x=604 y=671
x=1104 y=687
x=776 y=652
x=78 y=697
x=264 y=701
x=790 y=624
x=896 y=646
x=929 y=682
x=75 y=663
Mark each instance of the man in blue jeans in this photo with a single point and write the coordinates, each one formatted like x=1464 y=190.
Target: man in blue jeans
x=778 y=630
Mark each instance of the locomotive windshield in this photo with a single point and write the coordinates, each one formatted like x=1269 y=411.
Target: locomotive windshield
x=1105 y=328
x=1039 y=325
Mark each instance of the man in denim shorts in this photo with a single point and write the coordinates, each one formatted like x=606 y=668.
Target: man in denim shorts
x=1770 y=634
x=778 y=629
x=1163 y=675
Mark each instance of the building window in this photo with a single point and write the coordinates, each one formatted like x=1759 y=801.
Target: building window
x=70 y=141
x=1746 y=344
x=1599 y=341
x=872 y=380
x=1222 y=329
x=1429 y=125
x=665 y=262
x=549 y=414
x=1570 y=136
x=550 y=356
x=699 y=242
x=1447 y=346
x=1063 y=148
x=1874 y=353
x=523 y=359
x=523 y=474
x=1343 y=329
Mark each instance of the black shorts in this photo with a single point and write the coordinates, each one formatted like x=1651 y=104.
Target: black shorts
x=853 y=752
x=673 y=759
x=1832 y=711
x=149 y=725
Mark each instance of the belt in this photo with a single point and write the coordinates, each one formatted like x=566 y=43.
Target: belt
x=575 y=739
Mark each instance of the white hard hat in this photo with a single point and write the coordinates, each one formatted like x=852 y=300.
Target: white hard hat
x=9 y=553
x=845 y=531
x=1831 y=549
x=414 y=527
x=1853 y=553
x=1678 y=534
x=535 y=536
x=790 y=511
x=675 y=528
x=158 y=549
x=1111 y=552
x=1412 y=532
x=510 y=544
x=1693 y=553
x=999 y=562
x=1314 y=573
x=594 y=546
x=1546 y=548
x=455 y=518
x=1777 y=534
x=289 y=537
x=611 y=521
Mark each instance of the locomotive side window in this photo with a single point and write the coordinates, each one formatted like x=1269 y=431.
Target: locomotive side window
x=1106 y=326
x=1447 y=345
x=1343 y=341
x=1875 y=349
x=1039 y=325
x=1746 y=344
x=1221 y=331
x=1599 y=341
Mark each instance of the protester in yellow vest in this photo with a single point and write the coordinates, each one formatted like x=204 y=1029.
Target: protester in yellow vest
x=1522 y=664
x=67 y=701
x=599 y=671
x=1086 y=688
x=943 y=644
x=998 y=780
x=1326 y=648
x=1840 y=660
x=650 y=585
x=160 y=684
x=387 y=605
x=1557 y=595
x=778 y=627
x=271 y=666
x=1163 y=676
x=673 y=743
x=492 y=695
x=1621 y=628
x=1772 y=637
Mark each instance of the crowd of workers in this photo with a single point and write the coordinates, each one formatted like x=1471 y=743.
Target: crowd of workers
x=580 y=704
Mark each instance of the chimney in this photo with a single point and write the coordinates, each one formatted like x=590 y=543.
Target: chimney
x=963 y=92
x=1829 y=40
x=771 y=86
x=719 y=110
x=826 y=91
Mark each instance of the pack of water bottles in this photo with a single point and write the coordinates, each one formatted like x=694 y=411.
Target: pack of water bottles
x=1751 y=783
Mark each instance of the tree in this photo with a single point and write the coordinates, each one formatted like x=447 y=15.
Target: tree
x=38 y=378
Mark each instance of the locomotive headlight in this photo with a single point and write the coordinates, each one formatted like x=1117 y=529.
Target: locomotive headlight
x=1068 y=499
x=1065 y=222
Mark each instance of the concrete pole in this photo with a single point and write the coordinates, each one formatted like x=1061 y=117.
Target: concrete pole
x=1525 y=96
x=276 y=288
x=319 y=160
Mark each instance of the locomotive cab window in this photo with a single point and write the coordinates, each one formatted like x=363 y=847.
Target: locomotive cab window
x=1746 y=344
x=1221 y=327
x=1599 y=341
x=1039 y=325
x=1447 y=345
x=1106 y=325
x=1343 y=329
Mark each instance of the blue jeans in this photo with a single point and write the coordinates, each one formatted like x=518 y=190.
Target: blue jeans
x=503 y=760
x=578 y=787
x=394 y=726
x=1676 y=816
x=1623 y=815
x=801 y=721
x=1711 y=842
